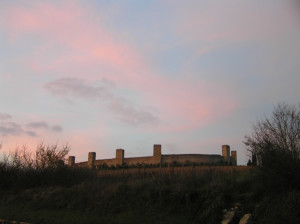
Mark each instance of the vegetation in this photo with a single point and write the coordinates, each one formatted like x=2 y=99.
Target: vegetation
x=45 y=156
x=275 y=148
x=174 y=195
x=39 y=188
x=168 y=195
x=278 y=134
x=275 y=145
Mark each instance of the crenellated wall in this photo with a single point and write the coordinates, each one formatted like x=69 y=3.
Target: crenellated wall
x=158 y=158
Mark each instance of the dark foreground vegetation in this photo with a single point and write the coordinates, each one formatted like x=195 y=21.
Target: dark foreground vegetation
x=171 y=195
x=39 y=188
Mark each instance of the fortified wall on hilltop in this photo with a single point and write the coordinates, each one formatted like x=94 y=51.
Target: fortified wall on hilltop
x=158 y=158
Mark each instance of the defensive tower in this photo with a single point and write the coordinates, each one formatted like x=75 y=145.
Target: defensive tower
x=71 y=161
x=226 y=153
x=233 y=158
x=91 y=160
x=120 y=157
x=158 y=158
x=157 y=154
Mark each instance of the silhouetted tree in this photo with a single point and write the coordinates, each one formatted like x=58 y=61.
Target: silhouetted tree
x=50 y=156
x=45 y=156
x=275 y=145
x=249 y=163
x=279 y=132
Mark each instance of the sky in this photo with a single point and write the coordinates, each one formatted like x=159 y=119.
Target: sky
x=101 y=75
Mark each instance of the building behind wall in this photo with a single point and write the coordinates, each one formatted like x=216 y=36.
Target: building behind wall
x=159 y=158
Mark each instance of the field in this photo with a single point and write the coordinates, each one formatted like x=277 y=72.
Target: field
x=142 y=195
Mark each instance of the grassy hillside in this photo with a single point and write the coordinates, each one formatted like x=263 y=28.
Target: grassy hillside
x=150 y=195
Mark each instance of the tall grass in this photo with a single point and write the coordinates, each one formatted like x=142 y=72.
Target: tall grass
x=141 y=195
x=170 y=195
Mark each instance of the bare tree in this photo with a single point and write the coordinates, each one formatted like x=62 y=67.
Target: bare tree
x=45 y=156
x=21 y=157
x=50 y=156
x=280 y=132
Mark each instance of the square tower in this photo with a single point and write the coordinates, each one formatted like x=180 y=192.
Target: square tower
x=120 y=157
x=71 y=161
x=91 y=160
x=233 y=158
x=226 y=153
x=157 y=154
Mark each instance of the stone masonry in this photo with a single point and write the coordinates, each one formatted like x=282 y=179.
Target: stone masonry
x=226 y=153
x=159 y=158
x=91 y=159
x=120 y=157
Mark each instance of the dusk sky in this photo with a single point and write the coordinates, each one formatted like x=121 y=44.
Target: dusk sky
x=102 y=75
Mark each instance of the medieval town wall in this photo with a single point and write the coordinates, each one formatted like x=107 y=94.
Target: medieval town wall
x=139 y=160
x=192 y=158
x=158 y=158
x=108 y=162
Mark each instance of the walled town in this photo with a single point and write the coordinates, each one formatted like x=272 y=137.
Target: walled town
x=158 y=158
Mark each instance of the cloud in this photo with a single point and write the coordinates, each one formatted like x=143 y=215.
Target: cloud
x=38 y=125
x=68 y=32
x=77 y=87
x=14 y=129
x=4 y=116
x=44 y=125
x=125 y=110
x=31 y=133
x=82 y=41
x=56 y=128
x=11 y=128
x=127 y=113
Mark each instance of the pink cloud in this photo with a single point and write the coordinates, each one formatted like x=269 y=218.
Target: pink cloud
x=73 y=42
x=72 y=34
x=188 y=104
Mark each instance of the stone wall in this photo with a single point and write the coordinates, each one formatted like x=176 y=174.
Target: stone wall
x=192 y=158
x=139 y=160
x=158 y=158
x=108 y=162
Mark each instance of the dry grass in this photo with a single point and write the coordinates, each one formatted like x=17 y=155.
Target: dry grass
x=167 y=171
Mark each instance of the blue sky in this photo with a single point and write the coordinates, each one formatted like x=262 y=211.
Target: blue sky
x=103 y=75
